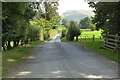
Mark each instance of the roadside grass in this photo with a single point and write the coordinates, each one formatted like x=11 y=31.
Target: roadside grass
x=16 y=56
x=96 y=44
x=64 y=40
x=60 y=28
x=53 y=33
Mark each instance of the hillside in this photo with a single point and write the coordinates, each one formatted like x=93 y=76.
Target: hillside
x=77 y=15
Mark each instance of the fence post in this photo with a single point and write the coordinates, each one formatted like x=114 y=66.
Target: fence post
x=105 y=39
x=116 y=42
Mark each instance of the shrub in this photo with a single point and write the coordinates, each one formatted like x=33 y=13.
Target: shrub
x=73 y=31
x=92 y=27
x=63 y=33
x=46 y=35
x=54 y=26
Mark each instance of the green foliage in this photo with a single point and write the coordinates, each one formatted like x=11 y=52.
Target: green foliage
x=65 y=22
x=91 y=33
x=53 y=33
x=86 y=23
x=54 y=27
x=51 y=14
x=49 y=19
x=15 y=23
x=23 y=22
x=16 y=56
x=73 y=31
x=106 y=16
x=95 y=46
x=92 y=27
x=46 y=35
x=64 y=31
x=33 y=33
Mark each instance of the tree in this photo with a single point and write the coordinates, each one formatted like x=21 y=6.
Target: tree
x=23 y=22
x=15 y=21
x=64 y=31
x=33 y=33
x=77 y=33
x=65 y=22
x=73 y=31
x=51 y=13
x=11 y=24
x=106 y=16
x=51 y=17
x=86 y=23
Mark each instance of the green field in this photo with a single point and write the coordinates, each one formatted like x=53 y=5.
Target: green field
x=91 y=33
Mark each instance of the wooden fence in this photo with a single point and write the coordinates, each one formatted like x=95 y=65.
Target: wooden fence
x=88 y=38
x=112 y=42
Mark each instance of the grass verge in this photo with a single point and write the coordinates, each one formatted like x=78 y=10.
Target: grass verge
x=15 y=56
x=53 y=33
x=95 y=46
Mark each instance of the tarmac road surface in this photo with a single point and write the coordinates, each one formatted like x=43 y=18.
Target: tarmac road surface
x=57 y=59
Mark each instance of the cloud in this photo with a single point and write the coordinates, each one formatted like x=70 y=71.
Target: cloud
x=65 y=5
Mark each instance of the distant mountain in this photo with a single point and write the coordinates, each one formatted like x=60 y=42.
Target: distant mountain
x=77 y=15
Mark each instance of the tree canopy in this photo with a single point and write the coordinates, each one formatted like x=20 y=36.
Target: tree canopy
x=65 y=22
x=73 y=31
x=106 y=16
x=23 y=21
x=86 y=23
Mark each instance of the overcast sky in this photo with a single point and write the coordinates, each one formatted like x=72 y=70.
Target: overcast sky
x=65 y=5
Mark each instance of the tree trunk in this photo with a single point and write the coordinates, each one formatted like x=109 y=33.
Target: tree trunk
x=15 y=44
x=71 y=38
x=9 y=46
x=26 y=41
x=3 y=45
x=77 y=38
x=22 y=42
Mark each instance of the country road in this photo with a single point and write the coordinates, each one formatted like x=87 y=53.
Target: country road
x=57 y=59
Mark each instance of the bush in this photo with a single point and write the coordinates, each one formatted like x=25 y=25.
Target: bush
x=46 y=35
x=77 y=33
x=92 y=27
x=33 y=33
x=73 y=31
x=54 y=26
x=63 y=33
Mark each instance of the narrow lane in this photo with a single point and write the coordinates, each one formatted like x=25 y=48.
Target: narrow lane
x=57 y=59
